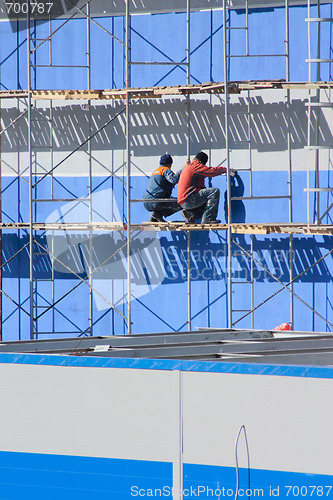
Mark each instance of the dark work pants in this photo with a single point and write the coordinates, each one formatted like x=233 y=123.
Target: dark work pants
x=165 y=208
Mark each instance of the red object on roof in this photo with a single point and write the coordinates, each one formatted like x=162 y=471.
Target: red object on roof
x=283 y=326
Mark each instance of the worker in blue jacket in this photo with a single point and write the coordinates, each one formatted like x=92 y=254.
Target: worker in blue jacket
x=160 y=185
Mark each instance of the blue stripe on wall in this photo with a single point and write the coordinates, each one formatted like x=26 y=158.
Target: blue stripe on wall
x=40 y=477
x=26 y=476
x=206 y=481
x=171 y=365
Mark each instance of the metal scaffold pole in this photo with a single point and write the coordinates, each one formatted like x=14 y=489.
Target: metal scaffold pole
x=128 y=175
x=317 y=120
x=91 y=310
x=189 y=297
x=290 y=179
x=188 y=77
x=188 y=153
x=226 y=111
x=30 y=181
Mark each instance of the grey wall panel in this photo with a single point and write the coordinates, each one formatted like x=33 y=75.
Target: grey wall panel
x=286 y=420
x=90 y=412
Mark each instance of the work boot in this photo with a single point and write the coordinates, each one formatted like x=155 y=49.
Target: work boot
x=157 y=217
x=189 y=218
x=215 y=221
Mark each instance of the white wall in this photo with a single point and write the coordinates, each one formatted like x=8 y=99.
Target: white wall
x=168 y=415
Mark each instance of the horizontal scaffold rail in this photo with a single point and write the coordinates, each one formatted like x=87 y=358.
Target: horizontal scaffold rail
x=255 y=228
x=157 y=92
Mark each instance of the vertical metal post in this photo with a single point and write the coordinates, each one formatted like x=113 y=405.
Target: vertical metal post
x=309 y=43
x=128 y=175
x=52 y=181
x=247 y=26
x=226 y=110
x=290 y=185
x=88 y=51
x=317 y=194
x=313 y=114
x=188 y=152
x=30 y=181
x=188 y=78
x=309 y=159
x=252 y=281
x=189 y=318
x=52 y=196
x=249 y=128
x=309 y=122
x=91 y=310
x=249 y=136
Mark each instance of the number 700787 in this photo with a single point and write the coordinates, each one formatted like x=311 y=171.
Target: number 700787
x=311 y=491
x=22 y=8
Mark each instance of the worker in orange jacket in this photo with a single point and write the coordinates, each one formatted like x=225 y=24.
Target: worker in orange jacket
x=160 y=185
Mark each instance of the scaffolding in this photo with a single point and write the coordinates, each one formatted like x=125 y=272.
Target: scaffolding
x=129 y=94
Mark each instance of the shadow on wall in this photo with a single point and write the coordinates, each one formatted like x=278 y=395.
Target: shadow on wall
x=151 y=267
x=157 y=125
x=238 y=211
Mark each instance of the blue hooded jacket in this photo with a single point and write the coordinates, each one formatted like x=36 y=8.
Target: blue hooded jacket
x=161 y=183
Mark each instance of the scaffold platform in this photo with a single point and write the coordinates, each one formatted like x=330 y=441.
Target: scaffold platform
x=250 y=228
x=235 y=87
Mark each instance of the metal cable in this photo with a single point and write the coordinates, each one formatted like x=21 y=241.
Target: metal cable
x=242 y=428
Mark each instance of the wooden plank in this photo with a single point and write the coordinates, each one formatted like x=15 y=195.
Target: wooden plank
x=250 y=229
x=156 y=92
x=318 y=231
x=9 y=94
x=282 y=228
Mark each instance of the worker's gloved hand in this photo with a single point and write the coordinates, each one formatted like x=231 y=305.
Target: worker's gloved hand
x=233 y=172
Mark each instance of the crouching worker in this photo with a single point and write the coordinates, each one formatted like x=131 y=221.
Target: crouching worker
x=160 y=185
x=196 y=200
